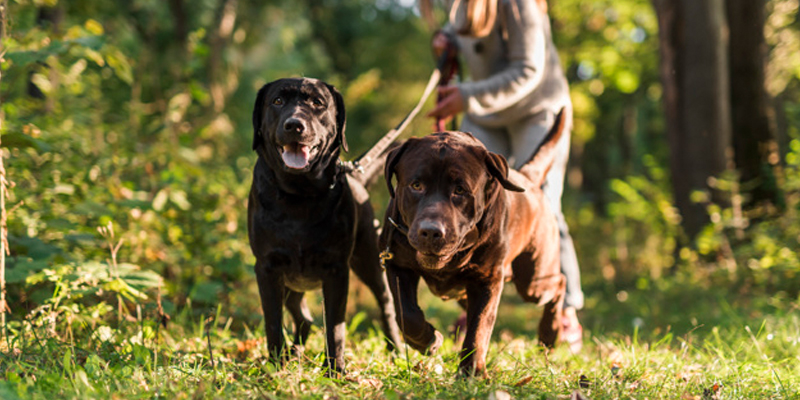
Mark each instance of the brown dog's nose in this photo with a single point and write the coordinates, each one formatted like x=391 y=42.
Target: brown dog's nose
x=430 y=234
x=294 y=125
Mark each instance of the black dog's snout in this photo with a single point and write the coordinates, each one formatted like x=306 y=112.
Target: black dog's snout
x=294 y=125
x=430 y=231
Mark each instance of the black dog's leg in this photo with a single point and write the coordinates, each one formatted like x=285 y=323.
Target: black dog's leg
x=367 y=268
x=296 y=304
x=271 y=288
x=482 y=302
x=334 y=293
x=418 y=333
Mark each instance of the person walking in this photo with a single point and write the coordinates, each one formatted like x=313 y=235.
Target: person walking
x=516 y=89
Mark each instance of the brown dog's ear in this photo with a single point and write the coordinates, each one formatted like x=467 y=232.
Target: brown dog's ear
x=498 y=168
x=341 y=119
x=258 y=115
x=391 y=161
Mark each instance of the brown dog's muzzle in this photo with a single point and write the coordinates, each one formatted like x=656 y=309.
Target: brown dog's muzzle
x=428 y=237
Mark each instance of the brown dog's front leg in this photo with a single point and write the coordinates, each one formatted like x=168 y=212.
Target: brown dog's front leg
x=417 y=332
x=271 y=288
x=482 y=302
x=334 y=294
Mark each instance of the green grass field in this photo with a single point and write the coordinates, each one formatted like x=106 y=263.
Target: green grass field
x=737 y=355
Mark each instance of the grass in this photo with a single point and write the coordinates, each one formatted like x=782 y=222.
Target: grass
x=752 y=356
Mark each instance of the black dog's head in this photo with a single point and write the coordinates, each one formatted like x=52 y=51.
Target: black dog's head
x=298 y=124
x=445 y=182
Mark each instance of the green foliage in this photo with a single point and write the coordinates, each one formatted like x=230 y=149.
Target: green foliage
x=144 y=119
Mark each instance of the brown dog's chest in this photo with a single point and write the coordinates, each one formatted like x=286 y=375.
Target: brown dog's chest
x=451 y=288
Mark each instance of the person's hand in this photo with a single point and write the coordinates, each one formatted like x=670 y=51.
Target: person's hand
x=439 y=43
x=451 y=103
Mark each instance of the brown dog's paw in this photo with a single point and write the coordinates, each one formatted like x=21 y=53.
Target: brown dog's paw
x=428 y=348
x=437 y=341
x=472 y=370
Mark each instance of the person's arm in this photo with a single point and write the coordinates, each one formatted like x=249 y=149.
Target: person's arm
x=526 y=52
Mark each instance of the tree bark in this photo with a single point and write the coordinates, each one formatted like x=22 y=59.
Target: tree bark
x=694 y=72
x=181 y=33
x=754 y=144
x=225 y=18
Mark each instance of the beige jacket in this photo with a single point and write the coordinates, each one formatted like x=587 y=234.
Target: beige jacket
x=515 y=71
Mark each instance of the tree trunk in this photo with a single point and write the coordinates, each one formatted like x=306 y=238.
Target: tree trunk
x=755 y=148
x=225 y=19
x=694 y=71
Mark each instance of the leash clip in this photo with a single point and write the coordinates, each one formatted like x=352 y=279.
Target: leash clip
x=385 y=255
x=351 y=166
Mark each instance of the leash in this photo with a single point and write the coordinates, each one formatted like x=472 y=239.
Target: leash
x=446 y=68
x=363 y=162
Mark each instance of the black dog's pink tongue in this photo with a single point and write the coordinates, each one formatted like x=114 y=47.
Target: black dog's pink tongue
x=295 y=155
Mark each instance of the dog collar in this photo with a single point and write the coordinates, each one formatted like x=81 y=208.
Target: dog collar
x=401 y=228
x=387 y=254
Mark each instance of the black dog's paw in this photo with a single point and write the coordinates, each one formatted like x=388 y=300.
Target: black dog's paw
x=298 y=351
x=390 y=345
x=334 y=371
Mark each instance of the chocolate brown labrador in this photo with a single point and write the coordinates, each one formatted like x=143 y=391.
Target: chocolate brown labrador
x=464 y=222
x=308 y=220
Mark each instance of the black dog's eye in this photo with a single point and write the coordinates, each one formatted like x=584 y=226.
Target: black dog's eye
x=416 y=186
x=459 y=191
x=277 y=101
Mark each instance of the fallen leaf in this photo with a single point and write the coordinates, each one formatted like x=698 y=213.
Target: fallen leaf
x=524 y=381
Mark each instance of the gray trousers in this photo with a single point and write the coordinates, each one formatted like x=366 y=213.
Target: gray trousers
x=517 y=143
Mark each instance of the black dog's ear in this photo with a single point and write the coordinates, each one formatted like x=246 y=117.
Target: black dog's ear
x=391 y=161
x=498 y=168
x=341 y=116
x=258 y=115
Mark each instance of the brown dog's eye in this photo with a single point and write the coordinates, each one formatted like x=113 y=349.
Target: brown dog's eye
x=317 y=102
x=459 y=191
x=416 y=185
x=277 y=101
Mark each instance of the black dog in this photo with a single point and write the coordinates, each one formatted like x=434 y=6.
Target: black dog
x=307 y=219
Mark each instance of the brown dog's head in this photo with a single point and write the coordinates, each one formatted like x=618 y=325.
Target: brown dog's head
x=444 y=183
x=298 y=124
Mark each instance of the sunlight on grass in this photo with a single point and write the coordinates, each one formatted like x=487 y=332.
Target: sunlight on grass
x=140 y=360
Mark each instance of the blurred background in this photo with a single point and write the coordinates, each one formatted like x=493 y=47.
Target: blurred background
x=126 y=134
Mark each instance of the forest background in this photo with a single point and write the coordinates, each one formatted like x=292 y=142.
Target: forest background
x=126 y=138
